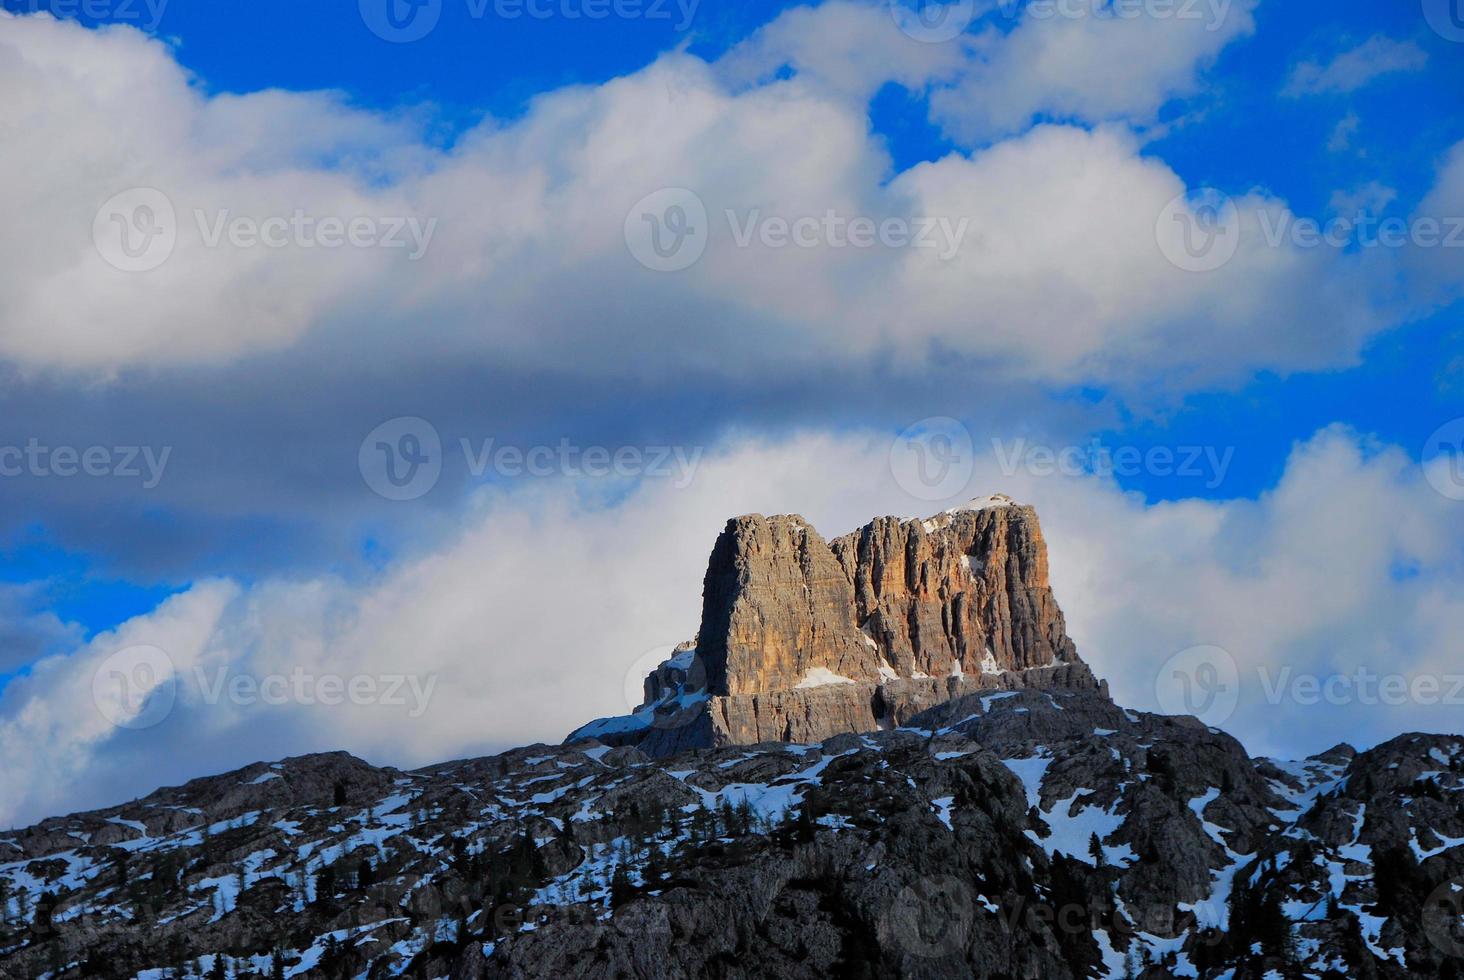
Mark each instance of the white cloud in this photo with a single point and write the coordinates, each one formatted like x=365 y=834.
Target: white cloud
x=1058 y=277
x=1077 y=59
x=531 y=617
x=1350 y=70
x=845 y=48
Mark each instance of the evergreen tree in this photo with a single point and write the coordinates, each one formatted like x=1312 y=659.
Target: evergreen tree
x=622 y=889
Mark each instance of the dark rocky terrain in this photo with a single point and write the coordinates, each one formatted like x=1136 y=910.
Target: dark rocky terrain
x=995 y=828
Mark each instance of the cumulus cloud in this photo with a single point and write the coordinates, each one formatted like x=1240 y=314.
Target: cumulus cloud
x=1354 y=68
x=528 y=622
x=1087 y=60
x=845 y=48
x=523 y=261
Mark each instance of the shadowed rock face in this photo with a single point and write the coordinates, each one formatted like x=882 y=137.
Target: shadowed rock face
x=803 y=638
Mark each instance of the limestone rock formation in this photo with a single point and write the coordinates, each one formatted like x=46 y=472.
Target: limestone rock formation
x=803 y=638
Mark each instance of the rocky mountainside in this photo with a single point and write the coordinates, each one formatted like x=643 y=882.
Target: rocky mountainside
x=1012 y=828
x=1011 y=834
x=802 y=639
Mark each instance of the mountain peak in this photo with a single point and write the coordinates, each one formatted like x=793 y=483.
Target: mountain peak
x=803 y=638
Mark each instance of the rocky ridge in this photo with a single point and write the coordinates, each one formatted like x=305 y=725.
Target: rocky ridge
x=802 y=639
x=1005 y=834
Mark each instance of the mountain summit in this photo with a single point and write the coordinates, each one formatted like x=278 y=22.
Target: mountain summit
x=802 y=639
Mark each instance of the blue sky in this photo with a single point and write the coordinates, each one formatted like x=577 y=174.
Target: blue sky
x=1236 y=135
x=525 y=139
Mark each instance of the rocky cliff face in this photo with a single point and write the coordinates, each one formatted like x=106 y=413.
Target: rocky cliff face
x=803 y=638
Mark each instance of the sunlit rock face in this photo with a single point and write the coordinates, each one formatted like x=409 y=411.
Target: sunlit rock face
x=803 y=638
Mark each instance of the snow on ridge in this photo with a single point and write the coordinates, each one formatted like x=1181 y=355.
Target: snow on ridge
x=822 y=677
x=989 y=502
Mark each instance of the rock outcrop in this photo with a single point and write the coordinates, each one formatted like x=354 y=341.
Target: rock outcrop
x=803 y=638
